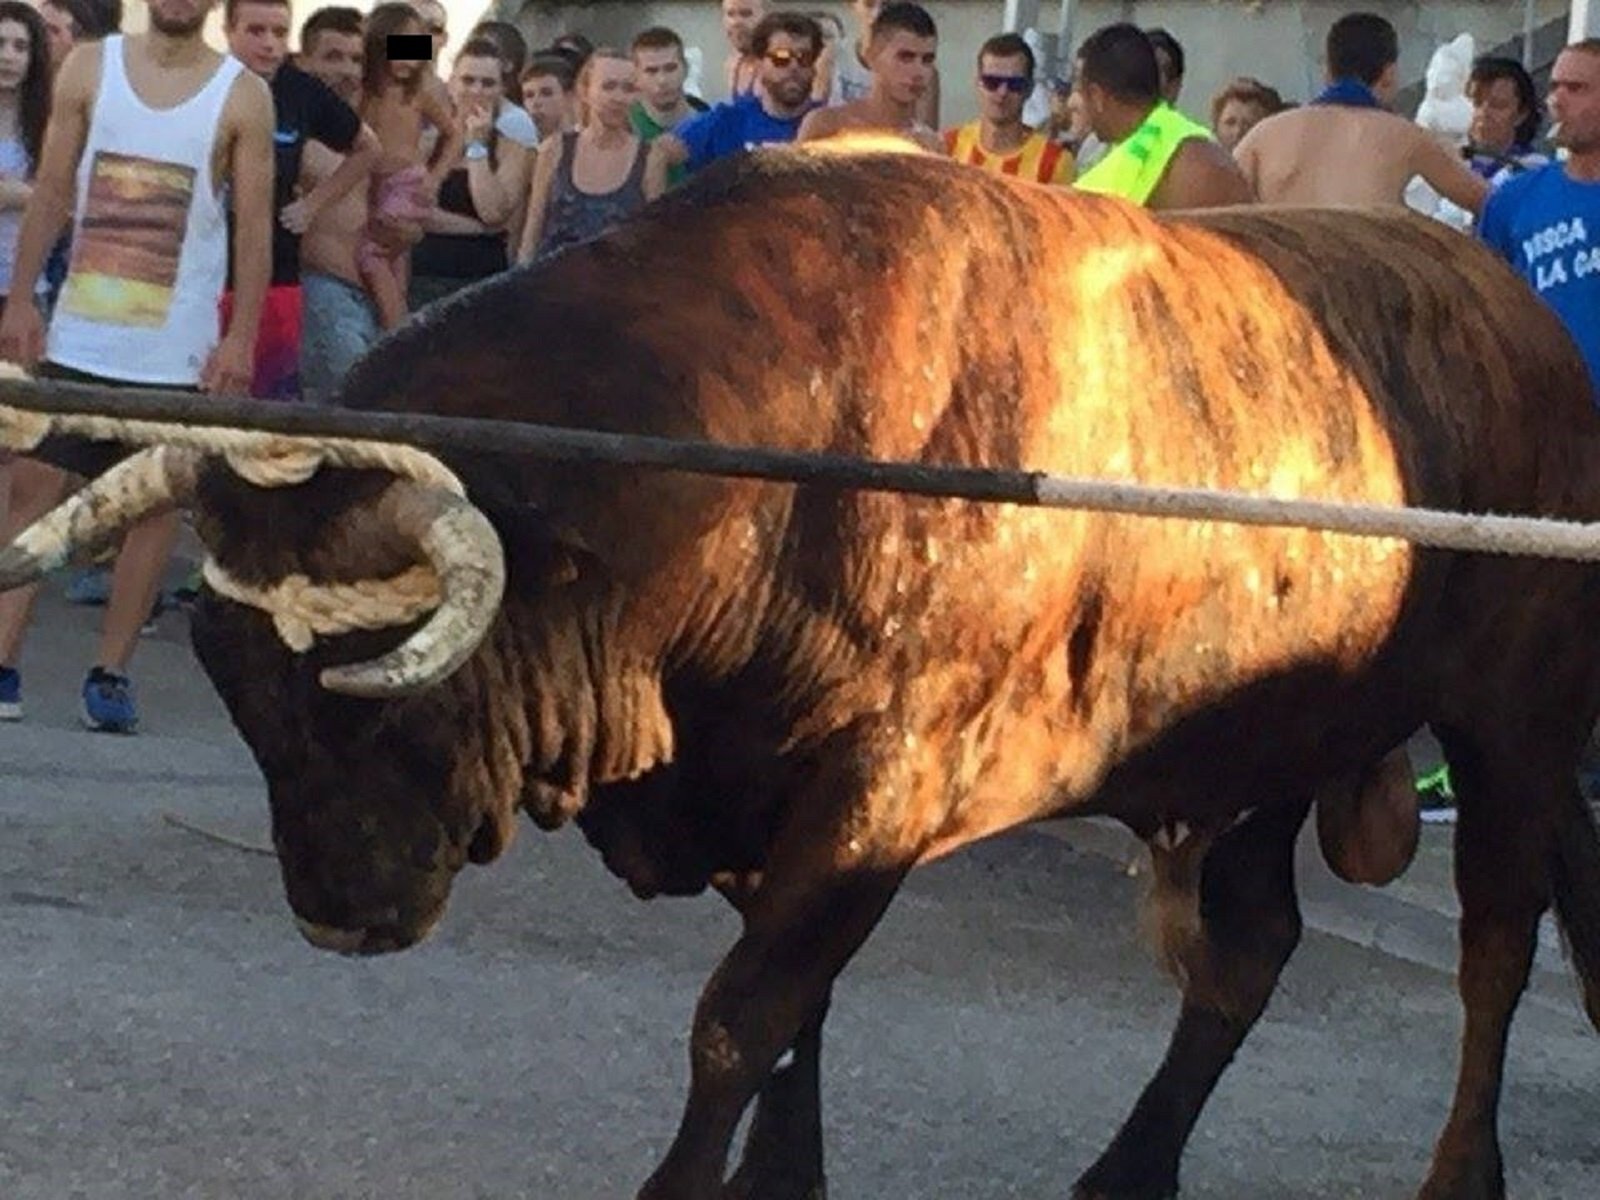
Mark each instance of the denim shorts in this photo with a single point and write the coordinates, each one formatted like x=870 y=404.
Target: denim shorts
x=340 y=326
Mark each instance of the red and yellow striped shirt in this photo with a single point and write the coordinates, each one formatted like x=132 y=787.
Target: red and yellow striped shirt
x=1038 y=158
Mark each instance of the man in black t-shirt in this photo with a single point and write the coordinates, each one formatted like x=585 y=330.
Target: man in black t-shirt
x=306 y=110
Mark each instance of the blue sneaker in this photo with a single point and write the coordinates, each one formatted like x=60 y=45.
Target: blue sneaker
x=10 y=694
x=108 y=703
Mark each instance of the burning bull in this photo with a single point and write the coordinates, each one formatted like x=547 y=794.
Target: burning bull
x=795 y=695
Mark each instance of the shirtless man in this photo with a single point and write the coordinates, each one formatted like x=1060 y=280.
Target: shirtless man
x=340 y=320
x=739 y=20
x=1158 y=157
x=903 y=48
x=1346 y=147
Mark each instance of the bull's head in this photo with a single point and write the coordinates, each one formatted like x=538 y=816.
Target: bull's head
x=372 y=741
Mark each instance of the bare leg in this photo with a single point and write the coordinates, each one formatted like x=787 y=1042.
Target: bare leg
x=135 y=582
x=36 y=488
x=1249 y=925
x=1503 y=843
x=382 y=278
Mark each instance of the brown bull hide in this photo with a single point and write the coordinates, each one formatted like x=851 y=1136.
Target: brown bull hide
x=1369 y=829
x=807 y=692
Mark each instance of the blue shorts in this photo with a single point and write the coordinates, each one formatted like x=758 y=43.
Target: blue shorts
x=340 y=325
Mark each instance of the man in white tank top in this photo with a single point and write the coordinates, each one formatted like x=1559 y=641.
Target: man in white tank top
x=151 y=138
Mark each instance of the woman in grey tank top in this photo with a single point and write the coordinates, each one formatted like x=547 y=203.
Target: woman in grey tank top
x=604 y=151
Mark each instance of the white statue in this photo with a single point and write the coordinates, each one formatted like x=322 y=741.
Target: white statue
x=1445 y=112
x=693 y=81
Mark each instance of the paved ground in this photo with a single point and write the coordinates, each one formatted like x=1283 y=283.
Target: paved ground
x=164 y=1033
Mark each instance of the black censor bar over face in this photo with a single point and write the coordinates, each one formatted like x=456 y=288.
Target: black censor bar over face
x=409 y=47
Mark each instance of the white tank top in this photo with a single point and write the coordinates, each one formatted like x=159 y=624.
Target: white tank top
x=852 y=78
x=150 y=240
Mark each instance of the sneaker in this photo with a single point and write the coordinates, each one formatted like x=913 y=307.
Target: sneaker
x=91 y=586
x=10 y=694
x=108 y=705
x=1436 y=799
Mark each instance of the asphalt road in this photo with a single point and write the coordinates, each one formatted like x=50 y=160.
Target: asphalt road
x=165 y=1033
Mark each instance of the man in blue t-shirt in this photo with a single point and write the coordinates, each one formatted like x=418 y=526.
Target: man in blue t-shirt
x=786 y=45
x=1546 y=223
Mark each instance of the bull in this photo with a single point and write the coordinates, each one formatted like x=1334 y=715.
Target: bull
x=796 y=694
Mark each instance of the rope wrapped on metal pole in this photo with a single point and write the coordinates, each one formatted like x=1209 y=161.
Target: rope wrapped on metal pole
x=148 y=417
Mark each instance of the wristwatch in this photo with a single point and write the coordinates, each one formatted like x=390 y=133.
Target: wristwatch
x=475 y=150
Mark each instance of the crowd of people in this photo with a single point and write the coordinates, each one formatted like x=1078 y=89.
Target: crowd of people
x=253 y=221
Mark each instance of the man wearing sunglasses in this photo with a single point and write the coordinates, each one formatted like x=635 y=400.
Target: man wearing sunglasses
x=1159 y=158
x=998 y=141
x=903 y=49
x=786 y=45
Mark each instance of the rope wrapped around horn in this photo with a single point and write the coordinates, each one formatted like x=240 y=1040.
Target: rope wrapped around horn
x=463 y=581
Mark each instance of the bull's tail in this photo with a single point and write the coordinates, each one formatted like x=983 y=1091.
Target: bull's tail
x=1575 y=884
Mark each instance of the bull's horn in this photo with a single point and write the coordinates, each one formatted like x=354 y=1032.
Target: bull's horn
x=94 y=516
x=465 y=551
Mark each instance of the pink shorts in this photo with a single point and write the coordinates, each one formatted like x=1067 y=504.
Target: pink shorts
x=400 y=195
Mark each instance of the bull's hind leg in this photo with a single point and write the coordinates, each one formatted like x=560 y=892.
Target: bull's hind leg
x=1249 y=924
x=783 y=1152
x=1504 y=846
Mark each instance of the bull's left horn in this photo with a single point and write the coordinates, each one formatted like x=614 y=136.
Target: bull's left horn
x=465 y=551
x=141 y=484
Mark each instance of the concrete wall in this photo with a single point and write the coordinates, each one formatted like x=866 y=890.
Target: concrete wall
x=1279 y=41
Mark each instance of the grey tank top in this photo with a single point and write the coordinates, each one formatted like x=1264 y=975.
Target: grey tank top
x=578 y=216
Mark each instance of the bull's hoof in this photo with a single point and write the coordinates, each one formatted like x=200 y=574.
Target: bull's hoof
x=748 y=1186
x=1098 y=1184
x=1464 y=1181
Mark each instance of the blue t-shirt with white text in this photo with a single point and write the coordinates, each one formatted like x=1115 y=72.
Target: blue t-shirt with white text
x=1547 y=226
x=740 y=124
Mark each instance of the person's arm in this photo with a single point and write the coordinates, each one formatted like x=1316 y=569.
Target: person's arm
x=544 y=178
x=14 y=193
x=822 y=81
x=1447 y=174
x=453 y=224
x=435 y=105
x=1201 y=175
x=496 y=190
x=248 y=121
x=655 y=173
x=50 y=206
x=819 y=123
x=334 y=187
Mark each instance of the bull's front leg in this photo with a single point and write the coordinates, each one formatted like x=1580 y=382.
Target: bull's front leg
x=1248 y=925
x=830 y=874
x=783 y=1151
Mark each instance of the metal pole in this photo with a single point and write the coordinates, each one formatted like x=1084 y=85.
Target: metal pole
x=1530 y=22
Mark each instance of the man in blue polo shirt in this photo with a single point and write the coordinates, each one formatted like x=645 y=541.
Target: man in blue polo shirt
x=1546 y=222
x=786 y=45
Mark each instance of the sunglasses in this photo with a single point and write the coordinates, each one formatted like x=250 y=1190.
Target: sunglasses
x=1017 y=85
x=788 y=58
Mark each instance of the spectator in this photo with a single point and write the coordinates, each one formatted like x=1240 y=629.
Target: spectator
x=1069 y=124
x=833 y=41
x=396 y=103
x=69 y=22
x=137 y=320
x=739 y=20
x=617 y=171
x=467 y=235
x=1546 y=222
x=786 y=45
x=24 y=110
x=511 y=120
x=1169 y=62
x=1240 y=107
x=852 y=68
x=304 y=109
x=1158 y=157
x=340 y=320
x=659 y=70
x=904 y=51
x=435 y=20
x=1345 y=148
x=1505 y=119
x=998 y=141
x=547 y=95
x=575 y=48
x=331 y=50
